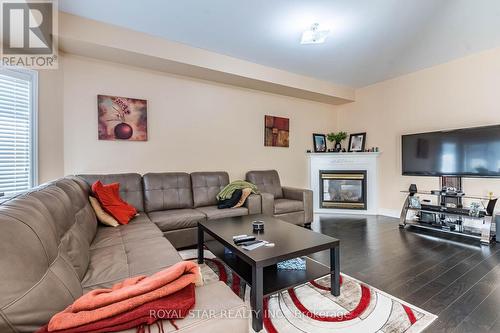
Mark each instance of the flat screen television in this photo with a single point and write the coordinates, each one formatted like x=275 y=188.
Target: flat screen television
x=468 y=152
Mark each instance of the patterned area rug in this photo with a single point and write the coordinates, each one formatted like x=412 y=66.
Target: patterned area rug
x=311 y=308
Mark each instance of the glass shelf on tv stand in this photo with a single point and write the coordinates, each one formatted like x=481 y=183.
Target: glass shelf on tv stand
x=440 y=194
x=453 y=228
x=463 y=216
x=477 y=227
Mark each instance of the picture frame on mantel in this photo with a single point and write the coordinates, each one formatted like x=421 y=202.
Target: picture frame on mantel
x=319 y=142
x=357 y=142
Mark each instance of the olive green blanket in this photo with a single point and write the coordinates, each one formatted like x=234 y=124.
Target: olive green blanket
x=227 y=191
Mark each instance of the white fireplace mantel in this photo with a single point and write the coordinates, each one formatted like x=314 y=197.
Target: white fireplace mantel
x=342 y=162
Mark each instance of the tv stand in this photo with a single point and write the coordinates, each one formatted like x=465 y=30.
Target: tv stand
x=452 y=220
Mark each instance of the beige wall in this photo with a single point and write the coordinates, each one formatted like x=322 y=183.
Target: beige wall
x=198 y=125
x=50 y=125
x=192 y=125
x=462 y=93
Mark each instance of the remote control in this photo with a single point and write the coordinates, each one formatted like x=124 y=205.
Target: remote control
x=239 y=236
x=240 y=240
x=250 y=242
x=256 y=244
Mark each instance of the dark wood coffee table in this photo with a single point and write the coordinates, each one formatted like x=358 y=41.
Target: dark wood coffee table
x=258 y=267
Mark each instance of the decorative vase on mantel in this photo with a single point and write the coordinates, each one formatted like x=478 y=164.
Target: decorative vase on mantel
x=337 y=138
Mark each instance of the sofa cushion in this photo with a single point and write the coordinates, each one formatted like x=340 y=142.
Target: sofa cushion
x=130 y=186
x=129 y=250
x=213 y=213
x=227 y=313
x=101 y=215
x=140 y=227
x=206 y=186
x=176 y=218
x=267 y=181
x=282 y=206
x=171 y=190
x=109 y=197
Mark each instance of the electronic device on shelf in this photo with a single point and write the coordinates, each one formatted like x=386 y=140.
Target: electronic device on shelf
x=451 y=192
x=412 y=189
x=448 y=227
x=426 y=217
x=450 y=210
x=432 y=208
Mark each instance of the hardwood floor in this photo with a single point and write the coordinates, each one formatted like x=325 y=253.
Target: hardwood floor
x=459 y=282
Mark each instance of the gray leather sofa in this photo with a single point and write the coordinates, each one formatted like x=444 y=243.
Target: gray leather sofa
x=290 y=204
x=52 y=250
x=177 y=201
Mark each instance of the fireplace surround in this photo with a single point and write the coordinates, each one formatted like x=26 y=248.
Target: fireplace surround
x=342 y=162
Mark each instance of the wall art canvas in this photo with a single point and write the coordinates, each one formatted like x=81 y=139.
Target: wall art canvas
x=276 y=132
x=122 y=118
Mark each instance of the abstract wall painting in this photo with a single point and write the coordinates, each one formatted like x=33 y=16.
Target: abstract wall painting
x=122 y=118
x=276 y=132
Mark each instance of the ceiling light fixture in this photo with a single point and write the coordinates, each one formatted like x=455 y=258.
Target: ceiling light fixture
x=314 y=35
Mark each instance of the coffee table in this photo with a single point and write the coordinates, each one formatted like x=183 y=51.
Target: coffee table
x=258 y=267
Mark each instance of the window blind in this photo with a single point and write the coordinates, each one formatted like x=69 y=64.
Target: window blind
x=16 y=134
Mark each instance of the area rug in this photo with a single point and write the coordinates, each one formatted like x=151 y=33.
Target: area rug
x=311 y=308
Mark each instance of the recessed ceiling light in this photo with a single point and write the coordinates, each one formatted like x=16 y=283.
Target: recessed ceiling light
x=315 y=35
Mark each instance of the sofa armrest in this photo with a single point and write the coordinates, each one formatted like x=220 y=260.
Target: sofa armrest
x=304 y=195
x=267 y=200
x=254 y=204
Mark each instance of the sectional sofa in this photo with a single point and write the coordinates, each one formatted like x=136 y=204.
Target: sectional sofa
x=53 y=250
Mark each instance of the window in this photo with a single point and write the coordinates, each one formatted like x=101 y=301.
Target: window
x=18 y=124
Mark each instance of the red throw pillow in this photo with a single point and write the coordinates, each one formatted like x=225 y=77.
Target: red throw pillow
x=109 y=197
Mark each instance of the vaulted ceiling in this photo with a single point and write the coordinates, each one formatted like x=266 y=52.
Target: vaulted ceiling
x=369 y=41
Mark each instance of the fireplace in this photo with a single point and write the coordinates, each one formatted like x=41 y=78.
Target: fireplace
x=342 y=189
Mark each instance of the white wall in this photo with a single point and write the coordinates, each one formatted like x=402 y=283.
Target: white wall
x=192 y=125
x=461 y=93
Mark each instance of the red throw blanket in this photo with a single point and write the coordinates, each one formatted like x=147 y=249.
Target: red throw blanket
x=174 y=306
x=125 y=296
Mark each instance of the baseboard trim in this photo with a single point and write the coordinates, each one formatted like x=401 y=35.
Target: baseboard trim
x=384 y=212
x=389 y=212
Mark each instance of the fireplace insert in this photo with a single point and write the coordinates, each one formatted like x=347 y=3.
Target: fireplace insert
x=344 y=189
